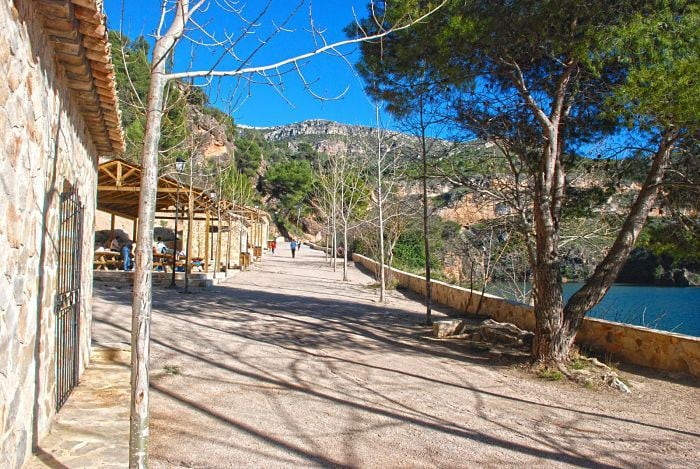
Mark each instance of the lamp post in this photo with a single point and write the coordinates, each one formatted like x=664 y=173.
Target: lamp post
x=179 y=167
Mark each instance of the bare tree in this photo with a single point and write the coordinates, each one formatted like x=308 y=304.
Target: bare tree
x=393 y=213
x=327 y=187
x=353 y=196
x=342 y=192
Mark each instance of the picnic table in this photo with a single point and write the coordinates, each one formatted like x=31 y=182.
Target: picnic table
x=107 y=260
x=165 y=261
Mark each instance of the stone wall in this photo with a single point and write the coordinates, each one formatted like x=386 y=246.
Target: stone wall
x=199 y=242
x=45 y=149
x=633 y=344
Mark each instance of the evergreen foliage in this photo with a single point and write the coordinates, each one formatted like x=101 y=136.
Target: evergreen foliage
x=291 y=182
x=540 y=78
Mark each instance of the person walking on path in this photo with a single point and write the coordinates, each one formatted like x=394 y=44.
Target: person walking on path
x=293 y=247
x=273 y=245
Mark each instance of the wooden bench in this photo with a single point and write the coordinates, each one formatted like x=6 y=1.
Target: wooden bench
x=105 y=264
x=164 y=261
x=107 y=260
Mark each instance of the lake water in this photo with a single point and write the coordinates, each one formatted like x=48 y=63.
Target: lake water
x=664 y=308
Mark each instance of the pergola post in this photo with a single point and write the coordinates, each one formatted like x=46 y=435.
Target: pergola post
x=188 y=250
x=112 y=220
x=207 y=227
x=228 y=245
x=218 y=245
x=136 y=226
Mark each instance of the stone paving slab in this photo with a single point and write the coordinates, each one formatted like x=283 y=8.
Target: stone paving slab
x=92 y=428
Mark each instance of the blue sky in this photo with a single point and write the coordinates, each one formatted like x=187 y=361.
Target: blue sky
x=259 y=104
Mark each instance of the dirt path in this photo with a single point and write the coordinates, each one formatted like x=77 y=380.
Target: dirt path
x=287 y=366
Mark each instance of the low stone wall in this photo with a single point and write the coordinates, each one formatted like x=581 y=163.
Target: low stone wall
x=197 y=279
x=633 y=344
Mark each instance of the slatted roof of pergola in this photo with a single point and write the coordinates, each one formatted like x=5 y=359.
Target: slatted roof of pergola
x=119 y=186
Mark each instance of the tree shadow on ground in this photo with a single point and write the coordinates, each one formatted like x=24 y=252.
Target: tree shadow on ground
x=679 y=378
x=568 y=454
x=313 y=327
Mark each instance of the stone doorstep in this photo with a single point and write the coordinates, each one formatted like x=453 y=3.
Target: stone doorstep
x=84 y=438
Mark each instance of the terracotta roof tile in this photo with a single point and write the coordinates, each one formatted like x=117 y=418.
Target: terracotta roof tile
x=78 y=31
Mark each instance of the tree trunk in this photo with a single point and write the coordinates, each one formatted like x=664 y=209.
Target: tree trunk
x=558 y=324
x=142 y=294
x=382 y=272
x=345 y=251
x=334 y=257
x=380 y=203
x=428 y=284
x=607 y=271
x=424 y=177
x=141 y=305
x=548 y=346
x=328 y=240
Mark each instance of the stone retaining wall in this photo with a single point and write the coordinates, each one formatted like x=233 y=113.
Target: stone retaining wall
x=634 y=344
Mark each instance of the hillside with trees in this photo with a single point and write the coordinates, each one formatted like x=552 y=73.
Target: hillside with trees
x=472 y=229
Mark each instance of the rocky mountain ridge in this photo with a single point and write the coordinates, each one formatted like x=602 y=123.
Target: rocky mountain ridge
x=328 y=137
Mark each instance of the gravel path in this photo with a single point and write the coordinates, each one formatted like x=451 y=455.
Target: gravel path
x=288 y=366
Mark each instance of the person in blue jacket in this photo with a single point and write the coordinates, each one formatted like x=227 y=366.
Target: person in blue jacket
x=126 y=256
x=293 y=247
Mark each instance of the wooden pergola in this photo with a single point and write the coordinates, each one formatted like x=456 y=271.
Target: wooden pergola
x=118 y=189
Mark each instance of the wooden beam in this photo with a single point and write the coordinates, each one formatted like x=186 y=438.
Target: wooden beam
x=116 y=211
x=119 y=179
x=130 y=172
x=172 y=217
x=108 y=172
x=107 y=188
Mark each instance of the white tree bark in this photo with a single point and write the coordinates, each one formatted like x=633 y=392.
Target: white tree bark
x=380 y=206
x=142 y=295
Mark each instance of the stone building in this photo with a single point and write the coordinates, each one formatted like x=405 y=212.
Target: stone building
x=58 y=114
